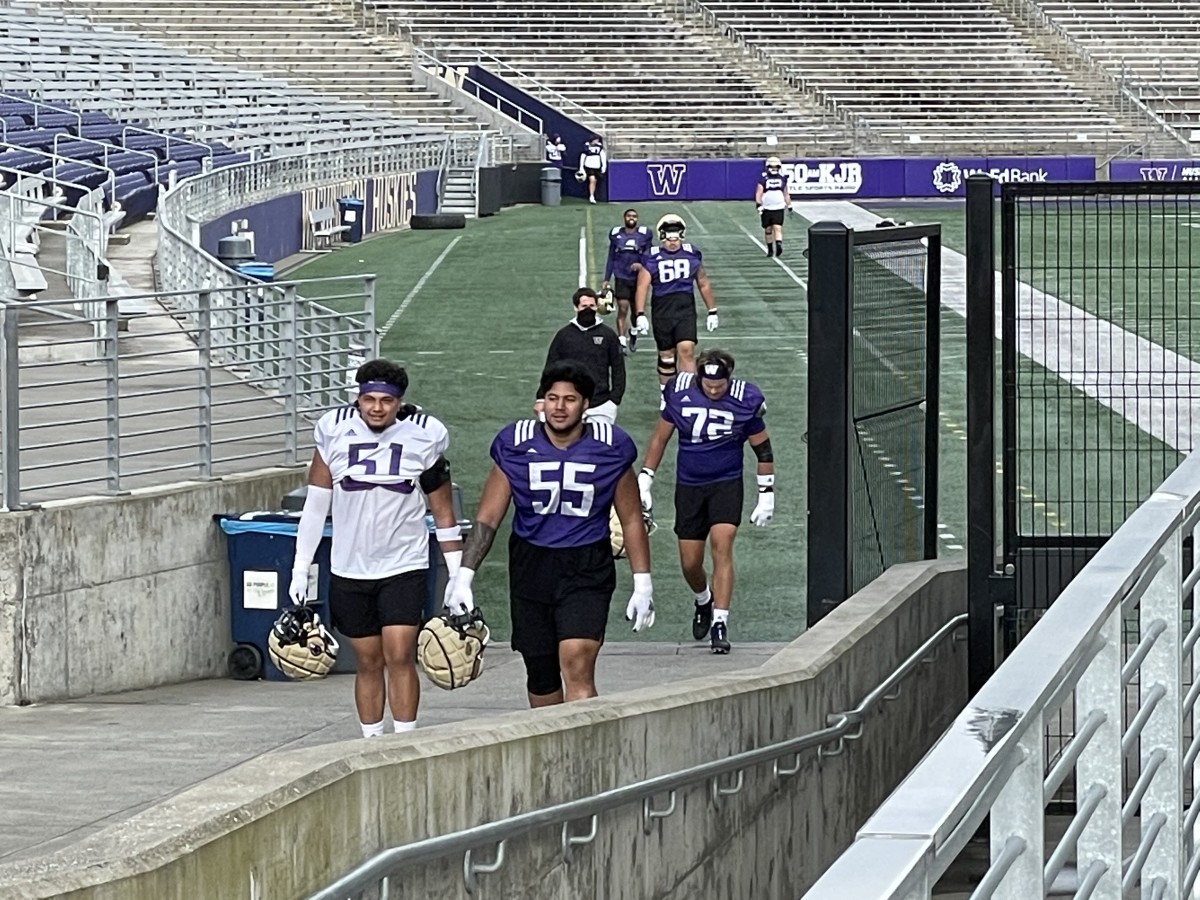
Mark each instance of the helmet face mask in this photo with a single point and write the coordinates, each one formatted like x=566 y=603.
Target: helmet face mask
x=774 y=164
x=671 y=228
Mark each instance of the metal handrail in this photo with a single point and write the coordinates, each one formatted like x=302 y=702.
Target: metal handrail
x=462 y=78
x=845 y=726
x=991 y=761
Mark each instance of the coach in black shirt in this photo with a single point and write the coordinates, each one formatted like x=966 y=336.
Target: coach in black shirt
x=590 y=342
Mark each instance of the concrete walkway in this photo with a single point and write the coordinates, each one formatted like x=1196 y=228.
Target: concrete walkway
x=70 y=770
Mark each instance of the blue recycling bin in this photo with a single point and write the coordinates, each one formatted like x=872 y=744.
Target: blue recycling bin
x=257 y=271
x=351 y=210
x=261 y=547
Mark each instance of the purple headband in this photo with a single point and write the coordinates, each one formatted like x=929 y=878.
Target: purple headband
x=378 y=387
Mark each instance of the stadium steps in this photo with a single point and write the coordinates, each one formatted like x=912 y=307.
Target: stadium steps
x=1087 y=77
x=458 y=195
x=312 y=45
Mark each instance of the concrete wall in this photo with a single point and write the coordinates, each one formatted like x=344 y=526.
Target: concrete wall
x=119 y=593
x=279 y=826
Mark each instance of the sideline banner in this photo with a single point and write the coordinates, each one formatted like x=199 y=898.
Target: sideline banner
x=1154 y=170
x=841 y=178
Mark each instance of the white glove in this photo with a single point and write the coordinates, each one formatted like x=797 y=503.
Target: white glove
x=298 y=589
x=641 y=325
x=640 y=610
x=758 y=209
x=764 y=510
x=713 y=320
x=460 y=599
x=645 y=482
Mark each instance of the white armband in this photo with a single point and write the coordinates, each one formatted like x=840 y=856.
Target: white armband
x=311 y=529
x=446 y=535
x=766 y=482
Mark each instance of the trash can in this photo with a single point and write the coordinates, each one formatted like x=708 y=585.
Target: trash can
x=257 y=271
x=551 y=186
x=351 y=212
x=261 y=546
x=234 y=250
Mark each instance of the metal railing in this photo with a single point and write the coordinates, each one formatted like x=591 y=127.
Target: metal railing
x=1116 y=656
x=472 y=90
x=723 y=778
x=84 y=402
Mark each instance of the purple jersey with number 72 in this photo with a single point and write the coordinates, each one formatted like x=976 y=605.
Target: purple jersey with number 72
x=562 y=498
x=711 y=432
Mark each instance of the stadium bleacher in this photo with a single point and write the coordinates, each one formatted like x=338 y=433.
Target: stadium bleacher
x=1150 y=46
x=660 y=88
x=955 y=74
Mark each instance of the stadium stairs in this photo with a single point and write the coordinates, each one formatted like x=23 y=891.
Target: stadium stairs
x=313 y=45
x=659 y=90
x=1148 y=46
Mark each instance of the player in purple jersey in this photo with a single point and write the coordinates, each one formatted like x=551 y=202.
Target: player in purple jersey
x=625 y=248
x=669 y=276
x=563 y=477
x=715 y=414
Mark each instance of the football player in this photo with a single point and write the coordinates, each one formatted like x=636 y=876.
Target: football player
x=669 y=275
x=771 y=196
x=562 y=477
x=593 y=164
x=376 y=466
x=625 y=247
x=714 y=414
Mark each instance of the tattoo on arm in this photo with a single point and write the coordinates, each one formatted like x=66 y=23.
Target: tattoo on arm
x=478 y=543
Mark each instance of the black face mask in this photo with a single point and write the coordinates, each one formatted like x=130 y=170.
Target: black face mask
x=586 y=317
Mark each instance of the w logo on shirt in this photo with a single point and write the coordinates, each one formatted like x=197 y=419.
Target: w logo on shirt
x=666 y=178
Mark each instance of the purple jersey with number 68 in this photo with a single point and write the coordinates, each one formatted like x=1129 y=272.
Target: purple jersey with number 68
x=562 y=498
x=712 y=432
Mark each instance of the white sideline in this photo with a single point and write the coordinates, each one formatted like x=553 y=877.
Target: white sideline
x=1104 y=361
x=583 y=256
x=417 y=288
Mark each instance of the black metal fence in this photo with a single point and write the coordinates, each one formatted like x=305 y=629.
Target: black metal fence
x=1099 y=396
x=874 y=304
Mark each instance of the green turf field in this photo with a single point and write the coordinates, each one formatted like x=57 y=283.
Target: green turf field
x=470 y=313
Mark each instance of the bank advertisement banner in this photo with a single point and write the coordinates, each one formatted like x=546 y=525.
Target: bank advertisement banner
x=1154 y=170
x=865 y=178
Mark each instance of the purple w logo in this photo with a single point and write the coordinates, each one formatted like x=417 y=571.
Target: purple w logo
x=666 y=178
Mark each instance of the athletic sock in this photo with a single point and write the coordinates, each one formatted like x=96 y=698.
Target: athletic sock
x=704 y=597
x=720 y=615
x=779 y=248
x=402 y=727
x=372 y=730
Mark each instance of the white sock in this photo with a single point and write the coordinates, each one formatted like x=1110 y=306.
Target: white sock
x=705 y=596
x=372 y=730
x=721 y=615
x=402 y=727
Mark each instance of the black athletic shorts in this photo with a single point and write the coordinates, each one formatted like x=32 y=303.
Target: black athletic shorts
x=361 y=607
x=558 y=593
x=624 y=288
x=698 y=507
x=673 y=318
x=771 y=217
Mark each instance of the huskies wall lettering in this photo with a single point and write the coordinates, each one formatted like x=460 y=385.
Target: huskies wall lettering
x=1154 y=170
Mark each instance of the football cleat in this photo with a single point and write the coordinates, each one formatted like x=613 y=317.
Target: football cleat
x=450 y=649
x=616 y=533
x=671 y=227
x=702 y=620
x=720 y=638
x=299 y=645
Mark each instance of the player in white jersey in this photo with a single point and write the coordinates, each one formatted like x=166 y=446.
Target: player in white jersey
x=377 y=464
x=772 y=198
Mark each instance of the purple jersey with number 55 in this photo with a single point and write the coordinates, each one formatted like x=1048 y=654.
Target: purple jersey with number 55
x=711 y=432
x=562 y=498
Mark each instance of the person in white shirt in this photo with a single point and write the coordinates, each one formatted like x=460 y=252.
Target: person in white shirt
x=555 y=148
x=376 y=466
x=771 y=196
x=593 y=164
